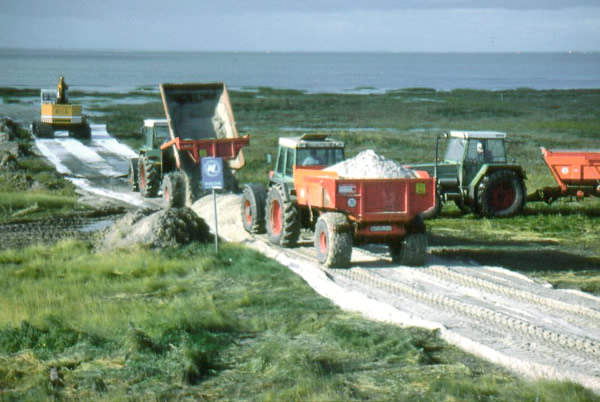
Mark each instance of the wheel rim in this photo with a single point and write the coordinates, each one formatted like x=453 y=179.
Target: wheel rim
x=323 y=242
x=276 y=218
x=502 y=196
x=167 y=193
x=248 y=212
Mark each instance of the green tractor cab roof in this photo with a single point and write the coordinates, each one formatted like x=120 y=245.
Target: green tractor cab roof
x=310 y=141
x=482 y=135
x=155 y=122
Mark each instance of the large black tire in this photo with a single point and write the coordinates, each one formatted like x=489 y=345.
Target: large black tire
x=333 y=240
x=132 y=174
x=173 y=190
x=464 y=208
x=149 y=177
x=282 y=218
x=42 y=130
x=501 y=194
x=253 y=205
x=412 y=249
x=192 y=186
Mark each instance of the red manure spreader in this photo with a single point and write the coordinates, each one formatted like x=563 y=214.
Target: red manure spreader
x=577 y=173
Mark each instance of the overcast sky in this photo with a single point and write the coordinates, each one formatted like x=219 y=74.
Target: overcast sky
x=303 y=25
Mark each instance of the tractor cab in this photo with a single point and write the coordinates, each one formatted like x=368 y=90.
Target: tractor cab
x=155 y=132
x=470 y=150
x=314 y=151
x=475 y=174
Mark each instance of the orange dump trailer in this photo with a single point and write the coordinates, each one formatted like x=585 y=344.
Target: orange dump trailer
x=577 y=173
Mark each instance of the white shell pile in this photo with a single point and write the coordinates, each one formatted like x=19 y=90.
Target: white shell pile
x=369 y=165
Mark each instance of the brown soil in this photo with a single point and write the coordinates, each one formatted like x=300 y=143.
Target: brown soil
x=149 y=228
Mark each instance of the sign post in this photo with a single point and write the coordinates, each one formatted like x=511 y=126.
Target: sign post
x=212 y=179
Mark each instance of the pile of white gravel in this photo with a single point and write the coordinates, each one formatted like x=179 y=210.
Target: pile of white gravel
x=369 y=165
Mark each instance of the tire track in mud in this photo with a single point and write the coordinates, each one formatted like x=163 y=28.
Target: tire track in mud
x=498 y=319
x=18 y=235
x=581 y=311
x=527 y=343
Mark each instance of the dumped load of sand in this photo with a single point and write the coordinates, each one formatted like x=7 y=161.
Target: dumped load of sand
x=369 y=165
x=146 y=227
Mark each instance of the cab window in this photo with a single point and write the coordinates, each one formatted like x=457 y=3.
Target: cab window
x=455 y=150
x=495 y=152
x=289 y=162
x=161 y=134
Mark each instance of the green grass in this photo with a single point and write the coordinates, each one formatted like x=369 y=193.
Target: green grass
x=33 y=188
x=188 y=324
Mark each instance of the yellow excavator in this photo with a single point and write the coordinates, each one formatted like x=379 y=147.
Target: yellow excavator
x=57 y=114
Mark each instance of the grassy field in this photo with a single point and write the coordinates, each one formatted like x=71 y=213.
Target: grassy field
x=186 y=324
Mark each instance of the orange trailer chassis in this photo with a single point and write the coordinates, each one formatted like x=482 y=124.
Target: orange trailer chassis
x=577 y=173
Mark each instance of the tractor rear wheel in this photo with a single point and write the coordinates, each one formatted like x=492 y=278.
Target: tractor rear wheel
x=253 y=208
x=282 y=218
x=149 y=177
x=173 y=190
x=333 y=240
x=501 y=194
x=412 y=249
x=132 y=174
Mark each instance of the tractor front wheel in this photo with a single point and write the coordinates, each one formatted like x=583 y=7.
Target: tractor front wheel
x=132 y=174
x=501 y=194
x=253 y=208
x=149 y=177
x=462 y=207
x=333 y=240
x=282 y=218
x=173 y=190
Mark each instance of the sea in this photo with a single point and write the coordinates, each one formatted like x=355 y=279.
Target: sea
x=123 y=71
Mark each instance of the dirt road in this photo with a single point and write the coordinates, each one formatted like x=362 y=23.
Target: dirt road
x=492 y=312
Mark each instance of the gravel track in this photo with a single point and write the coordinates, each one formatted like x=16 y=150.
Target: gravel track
x=495 y=313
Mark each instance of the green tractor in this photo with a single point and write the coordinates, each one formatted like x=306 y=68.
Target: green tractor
x=155 y=132
x=476 y=175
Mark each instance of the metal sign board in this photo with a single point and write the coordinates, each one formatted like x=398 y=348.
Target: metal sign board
x=212 y=173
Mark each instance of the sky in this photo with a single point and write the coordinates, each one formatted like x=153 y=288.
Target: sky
x=303 y=25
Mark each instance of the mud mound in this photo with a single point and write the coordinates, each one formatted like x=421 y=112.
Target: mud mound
x=369 y=165
x=153 y=229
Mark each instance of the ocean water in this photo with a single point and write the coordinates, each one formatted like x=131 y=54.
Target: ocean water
x=312 y=72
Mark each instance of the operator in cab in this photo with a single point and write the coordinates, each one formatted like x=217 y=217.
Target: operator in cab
x=62 y=91
x=312 y=159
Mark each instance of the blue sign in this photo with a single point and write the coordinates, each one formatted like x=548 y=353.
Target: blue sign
x=212 y=173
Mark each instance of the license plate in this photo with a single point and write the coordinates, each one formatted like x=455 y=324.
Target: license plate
x=381 y=228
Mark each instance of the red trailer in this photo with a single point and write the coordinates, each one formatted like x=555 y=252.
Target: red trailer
x=577 y=173
x=341 y=211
